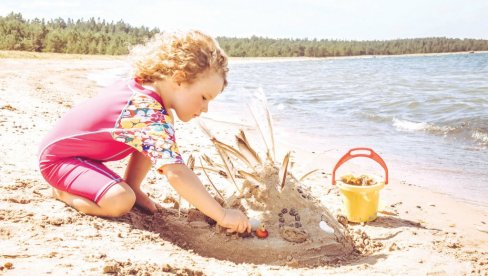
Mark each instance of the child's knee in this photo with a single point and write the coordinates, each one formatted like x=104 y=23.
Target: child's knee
x=118 y=200
x=117 y=211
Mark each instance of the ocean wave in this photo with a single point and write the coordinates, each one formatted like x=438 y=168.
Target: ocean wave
x=370 y=116
x=461 y=130
x=410 y=126
x=480 y=137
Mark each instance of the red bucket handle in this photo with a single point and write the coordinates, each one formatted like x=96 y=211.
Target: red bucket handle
x=349 y=155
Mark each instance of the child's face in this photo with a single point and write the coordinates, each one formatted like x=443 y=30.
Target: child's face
x=193 y=99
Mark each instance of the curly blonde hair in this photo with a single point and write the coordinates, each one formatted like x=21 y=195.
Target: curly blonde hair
x=191 y=52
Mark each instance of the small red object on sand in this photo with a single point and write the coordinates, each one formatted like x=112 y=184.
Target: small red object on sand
x=261 y=232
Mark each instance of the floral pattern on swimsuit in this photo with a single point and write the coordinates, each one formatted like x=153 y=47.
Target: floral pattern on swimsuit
x=145 y=126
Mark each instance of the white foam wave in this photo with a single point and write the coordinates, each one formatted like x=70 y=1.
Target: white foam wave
x=405 y=125
x=480 y=136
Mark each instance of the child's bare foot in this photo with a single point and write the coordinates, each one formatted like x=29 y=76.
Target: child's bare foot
x=145 y=203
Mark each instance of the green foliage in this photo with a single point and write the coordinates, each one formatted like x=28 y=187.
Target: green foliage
x=74 y=37
x=266 y=47
x=96 y=36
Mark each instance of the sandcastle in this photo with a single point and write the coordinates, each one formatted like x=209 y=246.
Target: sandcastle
x=300 y=228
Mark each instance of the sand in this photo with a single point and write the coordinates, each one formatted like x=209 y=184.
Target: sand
x=417 y=232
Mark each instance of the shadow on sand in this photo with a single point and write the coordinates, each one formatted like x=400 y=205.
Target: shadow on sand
x=218 y=245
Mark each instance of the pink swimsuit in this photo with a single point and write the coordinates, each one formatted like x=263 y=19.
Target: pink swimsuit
x=121 y=119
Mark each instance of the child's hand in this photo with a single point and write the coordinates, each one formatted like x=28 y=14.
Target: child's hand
x=236 y=221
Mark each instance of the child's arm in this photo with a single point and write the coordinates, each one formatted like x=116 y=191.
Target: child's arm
x=189 y=186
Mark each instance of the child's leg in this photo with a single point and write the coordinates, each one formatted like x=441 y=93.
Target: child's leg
x=89 y=186
x=137 y=169
x=117 y=201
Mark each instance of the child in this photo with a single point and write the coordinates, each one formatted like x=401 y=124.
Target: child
x=178 y=71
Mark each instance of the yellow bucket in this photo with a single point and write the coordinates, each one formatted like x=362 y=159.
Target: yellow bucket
x=360 y=202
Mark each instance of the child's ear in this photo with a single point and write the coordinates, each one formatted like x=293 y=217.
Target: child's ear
x=179 y=77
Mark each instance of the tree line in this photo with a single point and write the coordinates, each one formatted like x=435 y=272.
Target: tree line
x=265 y=47
x=92 y=36
x=96 y=36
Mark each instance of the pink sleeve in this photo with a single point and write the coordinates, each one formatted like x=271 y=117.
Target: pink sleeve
x=144 y=125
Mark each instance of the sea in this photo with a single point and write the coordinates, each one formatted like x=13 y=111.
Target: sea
x=426 y=116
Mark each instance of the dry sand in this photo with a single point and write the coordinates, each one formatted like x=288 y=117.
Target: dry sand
x=419 y=232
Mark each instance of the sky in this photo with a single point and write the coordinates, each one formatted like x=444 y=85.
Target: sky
x=321 y=19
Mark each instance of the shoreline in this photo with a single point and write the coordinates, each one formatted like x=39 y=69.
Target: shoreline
x=402 y=171
x=421 y=232
x=327 y=157
x=286 y=59
x=10 y=54
x=302 y=157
